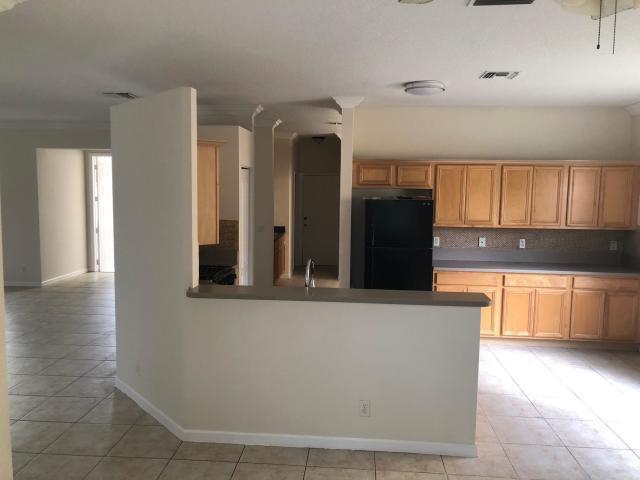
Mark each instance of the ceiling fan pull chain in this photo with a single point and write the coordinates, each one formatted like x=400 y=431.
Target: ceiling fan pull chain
x=599 y=25
x=615 y=27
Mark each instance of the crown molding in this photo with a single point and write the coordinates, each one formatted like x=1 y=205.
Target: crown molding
x=348 y=102
x=634 y=110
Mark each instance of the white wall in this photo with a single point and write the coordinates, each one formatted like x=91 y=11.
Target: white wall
x=62 y=212
x=19 y=187
x=270 y=372
x=493 y=133
x=635 y=137
x=6 y=470
x=283 y=193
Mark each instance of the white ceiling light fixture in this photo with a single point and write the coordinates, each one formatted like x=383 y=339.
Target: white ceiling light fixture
x=9 y=4
x=424 y=88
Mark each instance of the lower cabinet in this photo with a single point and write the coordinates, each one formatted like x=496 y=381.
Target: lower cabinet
x=552 y=306
x=517 y=312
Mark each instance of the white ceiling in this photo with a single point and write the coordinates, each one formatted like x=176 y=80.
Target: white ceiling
x=292 y=56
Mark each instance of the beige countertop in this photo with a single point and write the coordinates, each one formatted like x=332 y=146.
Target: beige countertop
x=344 y=295
x=539 y=268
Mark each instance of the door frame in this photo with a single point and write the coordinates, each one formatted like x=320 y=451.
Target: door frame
x=92 y=216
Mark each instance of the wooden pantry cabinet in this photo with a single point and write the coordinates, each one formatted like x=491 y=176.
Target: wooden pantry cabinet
x=467 y=195
x=549 y=306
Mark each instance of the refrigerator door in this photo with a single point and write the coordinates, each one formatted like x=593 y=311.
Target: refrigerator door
x=399 y=268
x=399 y=223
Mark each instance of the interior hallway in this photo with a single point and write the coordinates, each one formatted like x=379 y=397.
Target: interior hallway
x=544 y=412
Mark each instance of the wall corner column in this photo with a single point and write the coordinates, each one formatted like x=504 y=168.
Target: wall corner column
x=347 y=106
x=263 y=140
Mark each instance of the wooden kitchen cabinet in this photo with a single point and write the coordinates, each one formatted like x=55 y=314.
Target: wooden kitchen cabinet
x=413 y=175
x=208 y=193
x=584 y=197
x=374 y=174
x=450 y=194
x=517 y=312
x=489 y=316
x=587 y=314
x=481 y=196
x=551 y=313
x=549 y=194
x=620 y=317
x=617 y=197
x=516 y=195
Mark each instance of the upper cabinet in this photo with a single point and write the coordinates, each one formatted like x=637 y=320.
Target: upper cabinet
x=584 y=196
x=616 y=194
x=450 y=194
x=602 y=197
x=208 y=193
x=466 y=195
x=381 y=174
x=481 y=195
x=548 y=196
x=373 y=174
x=516 y=195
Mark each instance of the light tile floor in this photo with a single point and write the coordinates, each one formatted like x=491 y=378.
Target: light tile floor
x=543 y=412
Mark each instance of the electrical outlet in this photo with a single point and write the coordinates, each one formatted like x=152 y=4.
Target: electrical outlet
x=522 y=243
x=365 y=408
x=436 y=241
x=482 y=242
x=613 y=245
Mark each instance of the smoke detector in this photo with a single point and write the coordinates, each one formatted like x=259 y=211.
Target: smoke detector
x=423 y=88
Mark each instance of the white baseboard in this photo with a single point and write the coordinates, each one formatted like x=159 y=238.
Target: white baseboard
x=64 y=277
x=22 y=284
x=306 y=441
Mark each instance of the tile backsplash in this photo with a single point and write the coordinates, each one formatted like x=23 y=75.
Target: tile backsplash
x=553 y=240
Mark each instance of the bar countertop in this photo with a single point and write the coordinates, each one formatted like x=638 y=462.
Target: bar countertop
x=344 y=295
x=539 y=268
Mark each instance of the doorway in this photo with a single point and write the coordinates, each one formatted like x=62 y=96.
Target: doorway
x=102 y=212
x=320 y=218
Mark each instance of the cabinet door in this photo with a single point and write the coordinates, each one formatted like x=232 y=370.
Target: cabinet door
x=481 y=204
x=616 y=197
x=414 y=175
x=584 y=196
x=517 y=310
x=489 y=316
x=208 y=193
x=620 y=316
x=587 y=314
x=450 y=183
x=551 y=313
x=516 y=195
x=548 y=199
x=375 y=174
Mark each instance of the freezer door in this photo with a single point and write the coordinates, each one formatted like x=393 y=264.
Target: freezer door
x=399 y=223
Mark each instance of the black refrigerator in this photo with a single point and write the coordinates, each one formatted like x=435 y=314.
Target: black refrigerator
x=399 y=244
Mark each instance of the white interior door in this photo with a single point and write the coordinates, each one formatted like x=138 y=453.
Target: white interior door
x=320 y=218
x=103 y=212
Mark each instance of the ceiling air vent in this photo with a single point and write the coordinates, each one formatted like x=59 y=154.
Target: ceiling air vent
x=505 y=75
x=125 y=95
x=496 y=3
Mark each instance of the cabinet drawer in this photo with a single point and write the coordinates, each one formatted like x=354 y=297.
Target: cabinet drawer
x=603 y=283
x=539 y=281
x=468 y=278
